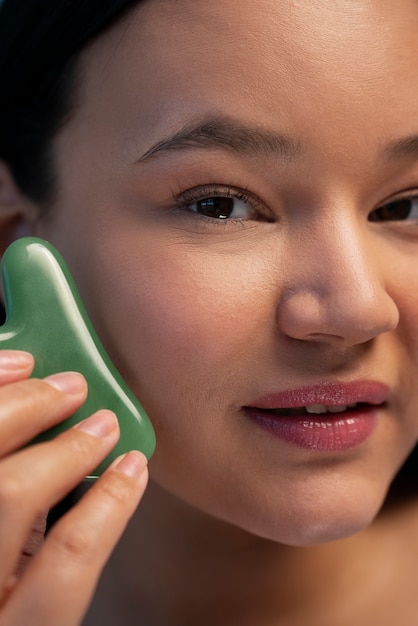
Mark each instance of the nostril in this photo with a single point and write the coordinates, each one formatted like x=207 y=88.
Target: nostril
x=339 y=317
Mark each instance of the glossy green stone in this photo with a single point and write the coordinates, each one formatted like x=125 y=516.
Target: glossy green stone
x=45 y=316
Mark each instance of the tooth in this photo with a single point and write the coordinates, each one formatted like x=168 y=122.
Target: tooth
x=351 y=406
x=337 y=409
x=316 y=408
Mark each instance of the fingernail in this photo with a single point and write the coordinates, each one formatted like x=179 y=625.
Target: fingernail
x=100 y=424
x=68 y=382
x=131 y=464
x=15 y=359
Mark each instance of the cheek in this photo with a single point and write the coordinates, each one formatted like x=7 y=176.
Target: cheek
x=404 y=292
x=179 y=322
x=182 y=328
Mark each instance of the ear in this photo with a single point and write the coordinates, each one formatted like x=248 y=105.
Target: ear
x=17 y=212
x=17 y=215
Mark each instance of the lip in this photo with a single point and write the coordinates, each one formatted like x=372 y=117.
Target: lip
x=325 y=432
x=331 y=393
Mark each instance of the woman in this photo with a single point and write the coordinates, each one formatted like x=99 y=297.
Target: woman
x=236 y=193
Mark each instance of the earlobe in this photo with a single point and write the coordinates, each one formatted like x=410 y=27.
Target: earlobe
x=17 y=211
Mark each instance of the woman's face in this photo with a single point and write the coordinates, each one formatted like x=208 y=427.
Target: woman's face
x=238 y=201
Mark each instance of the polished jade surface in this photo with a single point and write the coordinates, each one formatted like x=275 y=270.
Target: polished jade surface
x=45 y=316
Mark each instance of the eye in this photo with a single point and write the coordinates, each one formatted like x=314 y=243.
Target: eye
x=222 y=208
x=397 y=210
x=222 y=204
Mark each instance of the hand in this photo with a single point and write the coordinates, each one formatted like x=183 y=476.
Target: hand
x=51 y=583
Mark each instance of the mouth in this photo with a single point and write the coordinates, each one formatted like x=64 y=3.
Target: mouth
x=326 y=418
x=317 y=409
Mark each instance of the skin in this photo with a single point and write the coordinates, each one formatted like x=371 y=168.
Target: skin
x=203 y=317
x=69 y=561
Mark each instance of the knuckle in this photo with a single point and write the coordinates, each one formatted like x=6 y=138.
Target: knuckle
x=27 y=389
x=76 y=444
x=75 y=542
x=10 y=493
x=116 y=487
x=27 y=395
x=23 y=394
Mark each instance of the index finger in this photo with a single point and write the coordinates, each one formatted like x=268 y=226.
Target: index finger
x=58 y=584
x=15 y=365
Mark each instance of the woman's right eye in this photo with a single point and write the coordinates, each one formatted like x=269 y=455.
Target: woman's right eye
x=222 y=208
x=223 y=204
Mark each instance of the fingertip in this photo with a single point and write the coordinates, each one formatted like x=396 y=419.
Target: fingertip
x=100 y=424
x=15 y=365
x=70 y=383
x=133 y=464
x=15 y=360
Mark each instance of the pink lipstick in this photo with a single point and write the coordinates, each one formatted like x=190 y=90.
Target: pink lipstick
x=326 y=417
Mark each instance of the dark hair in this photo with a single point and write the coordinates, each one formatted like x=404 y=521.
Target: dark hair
x=40 y=42
x=406 y=482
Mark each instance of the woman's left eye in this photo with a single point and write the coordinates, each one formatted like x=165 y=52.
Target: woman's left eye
x=397 y=210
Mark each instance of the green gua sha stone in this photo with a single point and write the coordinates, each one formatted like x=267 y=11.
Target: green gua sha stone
x=45 y=316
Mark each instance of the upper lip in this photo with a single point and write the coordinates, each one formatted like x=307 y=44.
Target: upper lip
x=328 y=393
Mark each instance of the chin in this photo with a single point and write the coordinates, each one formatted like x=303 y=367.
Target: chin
x=327 y=530
x=319 y=517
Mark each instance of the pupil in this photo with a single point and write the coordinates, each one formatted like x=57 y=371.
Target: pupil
x=399 y=210
x=216 y=207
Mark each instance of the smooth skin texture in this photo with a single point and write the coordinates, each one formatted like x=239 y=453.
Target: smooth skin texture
x=311 y=281
x=216 y=315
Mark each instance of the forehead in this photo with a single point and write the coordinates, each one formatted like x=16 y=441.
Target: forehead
x=294 y=63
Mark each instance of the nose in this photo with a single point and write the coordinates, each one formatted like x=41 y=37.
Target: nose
x=335 y=289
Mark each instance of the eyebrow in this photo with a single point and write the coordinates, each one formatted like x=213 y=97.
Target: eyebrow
x=226 y=134
x=406 y=147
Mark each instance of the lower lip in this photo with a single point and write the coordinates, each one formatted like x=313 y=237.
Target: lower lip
x=330 y=433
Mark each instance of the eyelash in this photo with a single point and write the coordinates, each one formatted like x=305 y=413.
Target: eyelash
x=412 y=196
x=186 y=198
x=259 y=211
